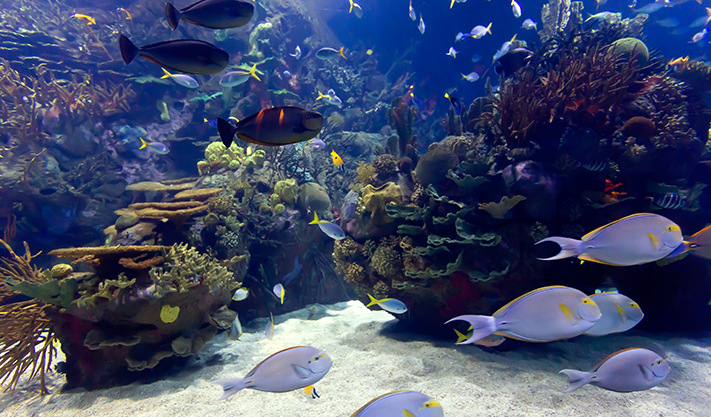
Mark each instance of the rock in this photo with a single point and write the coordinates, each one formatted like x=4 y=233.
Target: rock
x=61 y=270
x=432 y=168
x=126 y=221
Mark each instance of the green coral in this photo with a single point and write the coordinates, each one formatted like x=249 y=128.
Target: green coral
x=255 y=160
x=386 y=261
x=228 y=158
x=278 y=209
x=274 y=200
x=286 y=190
x=254 y=38
x=90 y=296
x=57 y=292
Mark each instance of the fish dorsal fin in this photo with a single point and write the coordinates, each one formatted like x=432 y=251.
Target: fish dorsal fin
x=569 y=314
x=597 y=231
x=648 y=374
x=621 y=312
x=302 y=372
x=656 y=243
x=269 y=357
x=599 y=364
x=360 y=410
x=500 y=312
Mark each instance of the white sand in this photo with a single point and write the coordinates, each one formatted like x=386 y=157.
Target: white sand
x=372 y=357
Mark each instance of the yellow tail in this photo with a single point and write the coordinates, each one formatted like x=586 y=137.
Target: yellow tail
x=351 y=9
x=320 y=96
x=373 y=301
x=253 y=72
x=460 y=337
x=488 y=28
x=315 y=220
x=143 y=143
x=451 y=4
x=166 y=74
x=340 y=51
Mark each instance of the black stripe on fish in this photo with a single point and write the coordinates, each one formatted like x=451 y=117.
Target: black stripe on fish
x=671 y=201
x=595 y=165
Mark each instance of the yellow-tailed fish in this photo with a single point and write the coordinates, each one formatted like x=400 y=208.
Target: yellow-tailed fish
x=331 y=230
x=542 y=315
x=181 y=79
x=279 y=292
x=489 y=341
x=269 y=330
x=287 y=370
x=351 y=6
x=337 y=161
x=619 y=314
x=240 y=294
x=391 y=305
x=156 y=147
x=235 y=331
x=401 y=403
x=89 y=20
x=633 y=240
x=628 y=370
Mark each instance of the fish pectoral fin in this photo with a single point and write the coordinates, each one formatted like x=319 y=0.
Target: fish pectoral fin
x=621 y=312
x=656 y=242
x=405 y=412
x=302 y=372
x=648 y=374
x=569 y=314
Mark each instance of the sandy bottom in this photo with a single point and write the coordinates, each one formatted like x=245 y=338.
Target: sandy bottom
x=372 y=356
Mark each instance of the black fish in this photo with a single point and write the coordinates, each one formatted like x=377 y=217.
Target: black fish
x=188 y=55
x=670 y=201
x=213 y=14
x=513 y=61
x=273 y=127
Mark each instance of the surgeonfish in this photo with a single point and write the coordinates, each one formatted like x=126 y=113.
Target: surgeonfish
x=492 y=340
x=480 y=31
x=597 y=16
x=516 y=8
x=337 y=161
x=421 y=25
x=297 y=268
x=331 y=230
x=357 y=10
x=700 y=36
x=529 y=24
x=619 y=314
x=287 y=370
x=543 y=315
x=235 y=331
x=235 y=78
x=273 y=127
x=240 y=294
x=633 y=369
x=156 y=147
x=329 y=53
x=269 y=328
x=186 y=55
x=391 y=305
x=411 y=12
x=632 y=240
x=181 y=79
x=279 y=292
x=89 y=20
x=297 y=53
x=650 y=8
x=698 y=244
x=213 y=14
x=452 y=52
x=471 y=77
x=401 y=403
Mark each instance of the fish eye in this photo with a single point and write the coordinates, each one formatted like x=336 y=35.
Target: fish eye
x=634 y=305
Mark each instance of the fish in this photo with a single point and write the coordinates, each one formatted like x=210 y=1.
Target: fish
x=680 y=62
x=699 y=244
x=543 y=315
x=351 y=6
x=287 y=370
x=294 y=272
x=186 y=55
x=181 y=79
x=411 y=12
x=529 y=24
x=156 y=147
x=452 y=52
x=633 y=369
x=632 y=240
x=330 y=98
x=240 y=294
x=619 y=314
x=329 y=53
x=331 y=230
x=369 y=52
x=297 y=53
x=476 y=58
x=702 y=20
x=286 y=74
x=650 y=8
x=669 y=201
x=128 y=15
x=700 y=36
x=597 y=16
x=401 y=404
x=455 y=102
x=269 y=329
x=89 y=20
x=213 y=14
x=337 y=161
x=235 y=78
x=489 y=341
x=391 y=305
x=273 y=127
x=516 y=8
x=670 y=22
x=480 y=31
x=505 y=47
x=595 y=165
x=358 y=11
x=599 y=3
x=471 y=77
x=279 y=292
x=421 y=25
x=235 y=331
x=317 y=143
x=461 y=36
x=513 y=61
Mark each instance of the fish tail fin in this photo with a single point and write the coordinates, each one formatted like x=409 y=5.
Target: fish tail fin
x=315 y=220
x=464 y=77
x=340 y=51
x=460 y=336
x=320 y=95
x=128 y=49
x=576 y=379
x=568 y=247
x=226 y=130
x=488 y=28
x=373 y=301
x=451 y=4
x=143 y=143
x=166 y=74
x=173 y=15
x=253 y=72
x=351 y=9
x=514 y=36
x=231 y=386
x=482 y=326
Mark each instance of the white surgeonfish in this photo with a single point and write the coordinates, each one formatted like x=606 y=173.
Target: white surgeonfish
x=619 y=314
x=542 y=315
x=401 y=403
x=632 y=240
x=633 y=369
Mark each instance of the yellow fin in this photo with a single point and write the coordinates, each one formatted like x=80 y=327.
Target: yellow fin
x=568 y=313
x=488 y=28
x=460 y=337
x=451 y=5
x=340 y=51
x=253 y=72
x=351 y=3
x=166 y=74
x=656 y=243
x=315 y=220
x=143 y=143
x=373 y=301
x=407 y=413
x=621 y=312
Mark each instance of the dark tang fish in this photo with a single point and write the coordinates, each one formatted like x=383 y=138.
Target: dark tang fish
x=213 y=14
x=273 y=127
x=187 y=55
x=513 y=61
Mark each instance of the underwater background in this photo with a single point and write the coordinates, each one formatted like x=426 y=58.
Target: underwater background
x=314 y=200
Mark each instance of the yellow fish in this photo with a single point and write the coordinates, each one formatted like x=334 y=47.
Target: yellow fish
x=681 y=62
x=128 y=15
x=337 y=161
x=89 y=20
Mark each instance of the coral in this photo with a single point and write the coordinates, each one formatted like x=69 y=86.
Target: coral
x=335 y=122
x=157 y=186
x=200 y=194
x=432 y=168
x=365 y=173
x=375 y=200
x=274 y=200
x=380 y=290
x=345 y=249
x=353 y=273
x=61 y=270
x=255 y=160
x=401 y=117
x=76 y=253
x=555 y=17
x=501 y=209
x=278 y=209
x=385 y=165
x=287 y=190
x=217 y=153
x=220 y=205
x=386 y=260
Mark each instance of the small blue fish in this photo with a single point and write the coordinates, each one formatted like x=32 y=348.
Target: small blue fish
x=480 y=31
x=331 y=230
x=391 y=305
x=286 y=74
x=461 y=36
x=156 y=147
x=670 y=22
x=456 y=104
x=294 y=272
x=452 y=52
x=650 y=8
x=476 y=58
